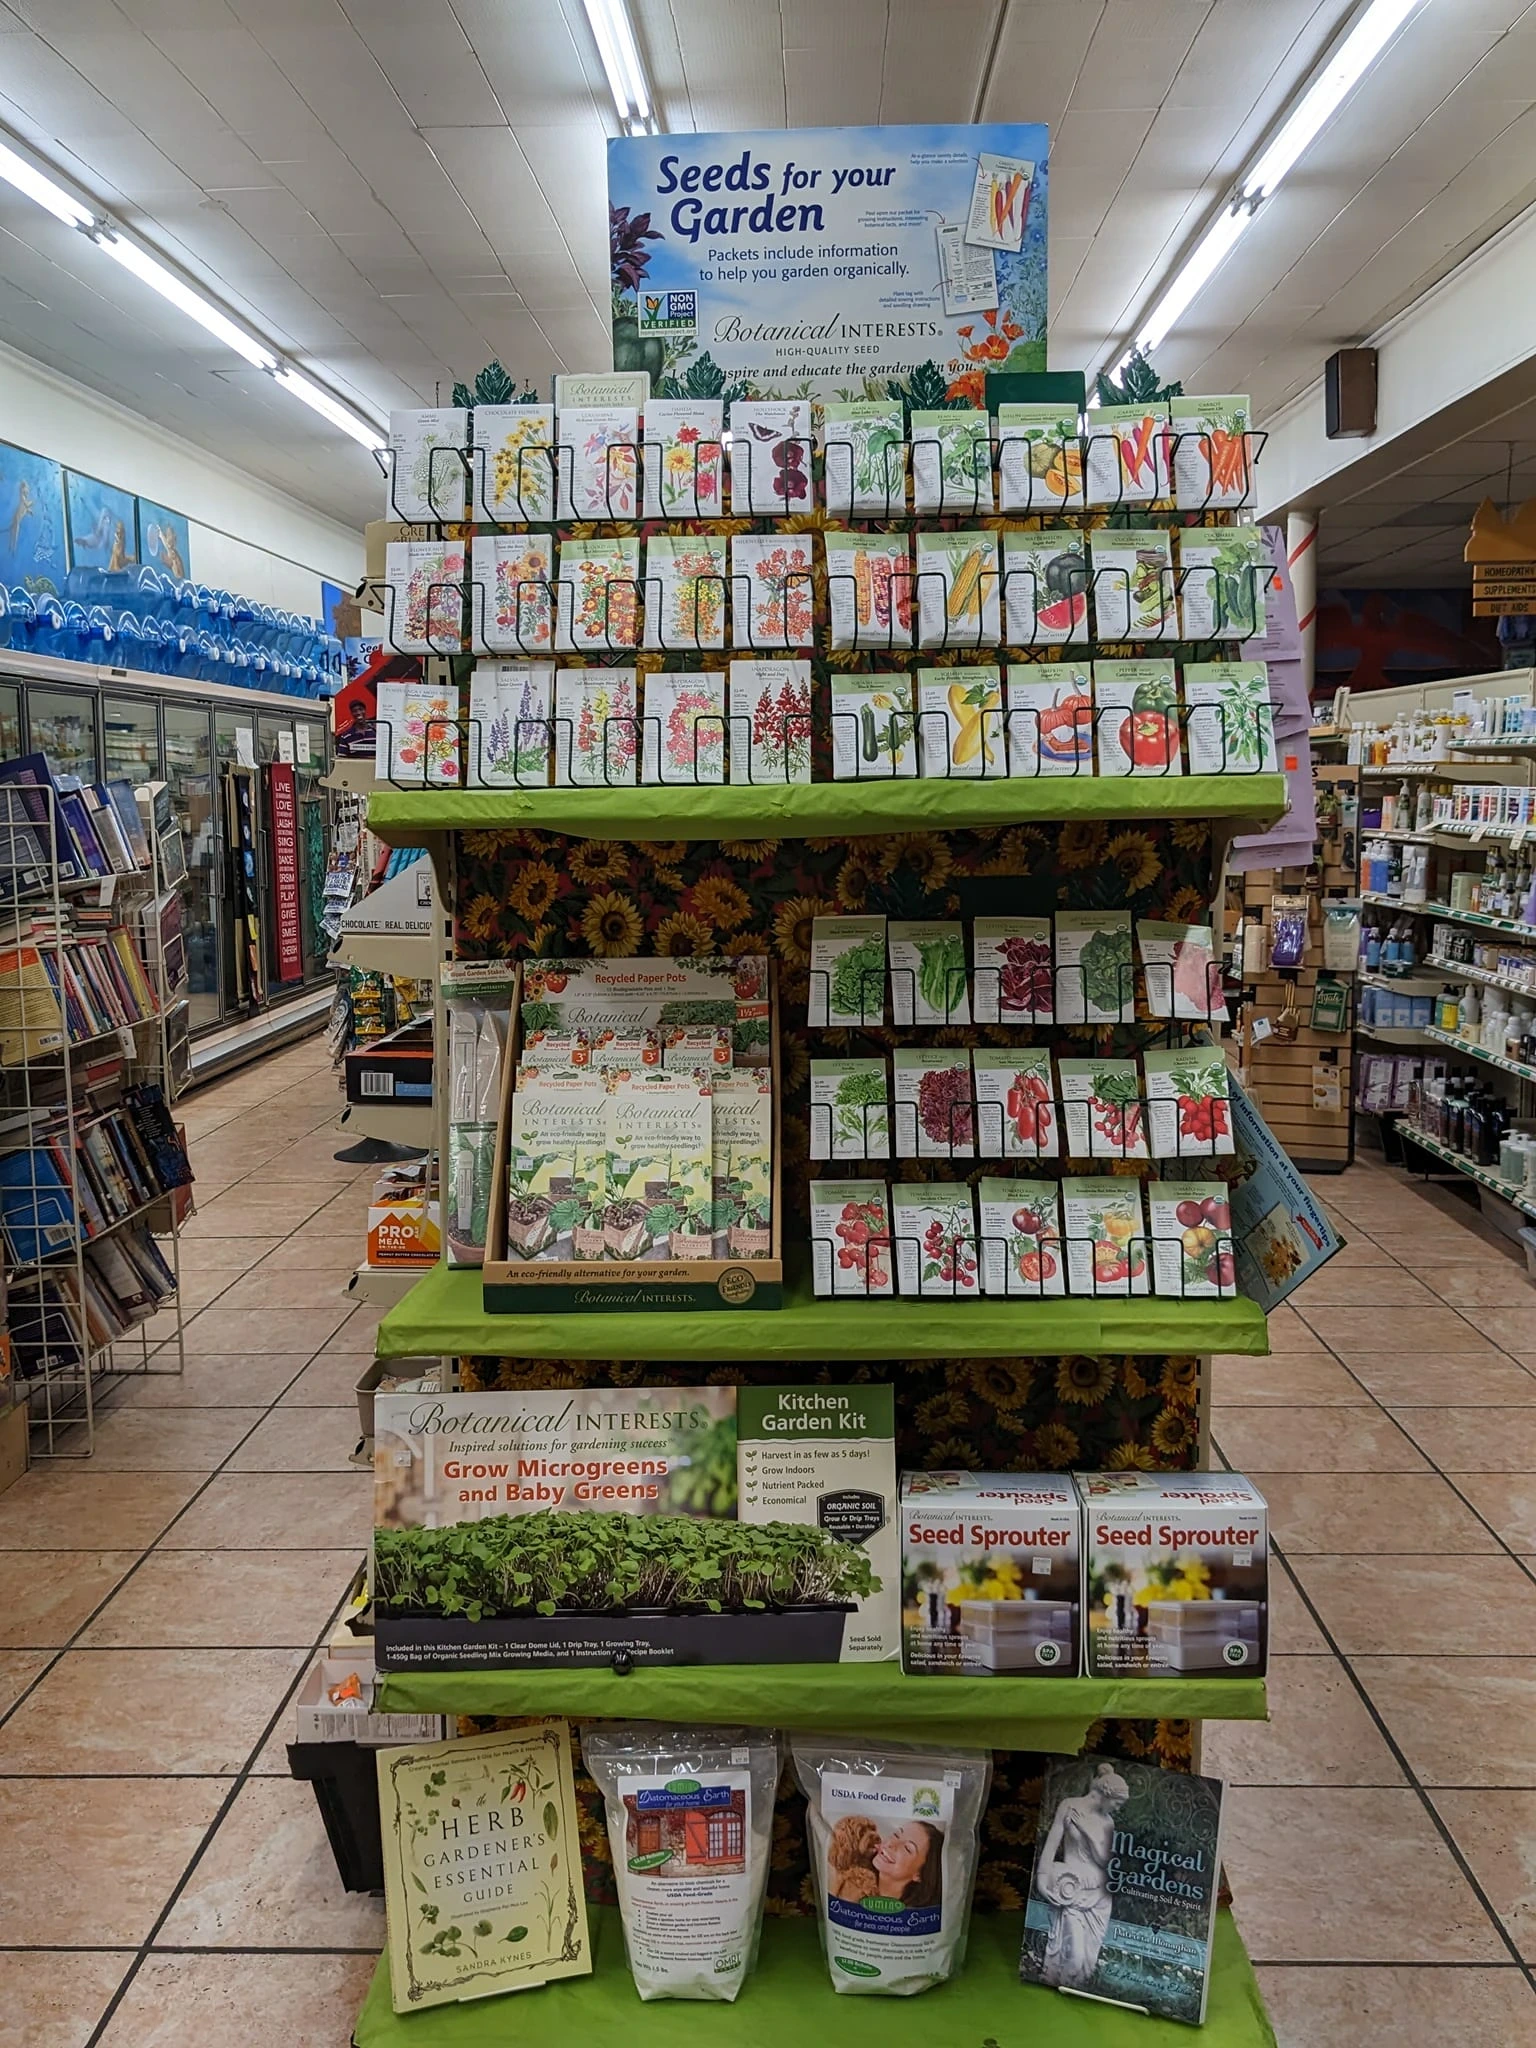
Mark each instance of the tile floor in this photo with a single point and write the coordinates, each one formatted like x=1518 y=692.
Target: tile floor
x=164 y=1884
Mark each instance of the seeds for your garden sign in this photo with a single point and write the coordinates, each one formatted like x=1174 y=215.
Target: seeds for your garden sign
x=839 y=262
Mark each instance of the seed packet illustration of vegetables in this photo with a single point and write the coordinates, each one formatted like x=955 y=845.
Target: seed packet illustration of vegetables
x=426 y=596
x=869 y=589
x=1192 y=1251
x=599 y=594
x=874 y=727
x=1095 y=982
x=684 y=458
x=1212 y=452
x=1011 y=964
x=850 y=1110
x=1133 y=584
x=1050 y=718
x=597 y=729
x=685 y=587
x=512 y=598
x=1136 y=714
x=951 y=462
x=847 y=972
x=1231 y=719
x=1021 y=1250
x=864 y=458
x=1015 y=1102
x=1188 y=1105
x=960 y=722
x=935 y=1117
x=1180 y=970
x=771 y=722
x=511 y=724
x=684 y=726
x=1223 y=575
x=772 y=591
x=1039 y=458
x=416 y=735
x=597 y=462
x=999 y=201
x=1105 y=1235
x=935 y=1231
x=770 y=457
x=851 y=1237
x=1045 y=588
x=425 y=475
x=512 y=463
x=957 y=590
x=1127 y=454
x=928 y=982
x=1101 y=1101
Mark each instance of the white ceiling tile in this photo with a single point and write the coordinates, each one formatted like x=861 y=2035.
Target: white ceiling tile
x=732 y=64
x=1137 y=48
x=427 y=58
x=528 y=52
x=935 y=59
x=1040 y=52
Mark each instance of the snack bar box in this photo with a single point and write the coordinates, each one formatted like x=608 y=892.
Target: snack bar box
x=395 y=1068
x=990 y=1574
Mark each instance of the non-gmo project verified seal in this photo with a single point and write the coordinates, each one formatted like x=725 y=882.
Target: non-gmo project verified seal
x=668 y=312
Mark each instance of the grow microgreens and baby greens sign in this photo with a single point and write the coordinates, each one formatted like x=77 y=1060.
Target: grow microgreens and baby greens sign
x=830 y=261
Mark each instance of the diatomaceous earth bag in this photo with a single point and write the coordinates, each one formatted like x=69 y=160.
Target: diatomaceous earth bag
x=894 y=1832
x=690 y=1826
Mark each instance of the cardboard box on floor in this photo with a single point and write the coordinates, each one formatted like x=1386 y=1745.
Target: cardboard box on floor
x=14 y=1452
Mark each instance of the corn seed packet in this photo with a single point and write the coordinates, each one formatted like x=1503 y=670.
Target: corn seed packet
x=957 y=590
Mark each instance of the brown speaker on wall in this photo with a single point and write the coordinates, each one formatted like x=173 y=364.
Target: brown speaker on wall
x=1349 y=385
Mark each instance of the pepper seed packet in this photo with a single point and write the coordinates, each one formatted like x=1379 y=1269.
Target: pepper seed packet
x=1178 y=964
x=864 y=458
x=511 y=724
x=684 y=458
x=597 y=728
x=1011 y=965
x=1133 y=584
x=598 y=595
x=597 y=461
x=684 y=726
x=1045 y=588
x=1127 y=454
x=1188 y=1105
x=1039 y=458
x=1015 y=1102
x=1101 y=1101
x=850 y=1110
x=874 y=726
x=847 y=972
x=951 y=462
x=512 y=463
x=1050 y=718
x=957 y=590
x=869 y=589
x=1212 y=452
x=1223 y=575
x=960 y=722
x=1095 y=980
x=770 y=457
x=934 y=1226
x=935 y=1116
x=770 y=720
x=1192 y=1253
x=851 y=1237
x=1105 y=1235
x=425 y=482
x=772 y=590
x=928 y=979
x=1021 y=1250
x=685 y=586
x=1136 y=714
x=1231 y=718
x=512 y=597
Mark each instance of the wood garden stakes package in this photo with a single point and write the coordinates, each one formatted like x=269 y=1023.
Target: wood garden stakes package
x=934 y=1114
x=869 y=589
x=416 y=736
x=960 y=722
x=426 y=465
x=770 y=457
x=1187 y=1102
x=1133 y=586
x=597 y=461
x=684 y=458
x=1192 y=1251
x=847 y=972
x=1011 y=961
x=1176 y=1574
x=991 y=1574
x=1178 y=963
x=1050 y=718
x=1101 y=1100
x=512 y=594
x=1045 y=588
x=850 y=1110
x=951 y=462
x=957 y=590
x=511 y=724
x=1212 y=452
x=1136 y=711
x=772 y=590
x=426 y=596
x=597 y=728
x=742 y=1102
x=1105 y=1236
x=1015 y=1102
x=685 y=586
x=1021 y=1237
x=1095 y=980
x=928 y=983
x=771 y=724
x=1039 y=458
x=935 y=1230
x=1127 y=454
x=512 y=464
x=864 y=458
x=598 y=594
x=851 y=1237
x=684 y=726
x=1223 y=572
x=874 y=727
x=1231 y=718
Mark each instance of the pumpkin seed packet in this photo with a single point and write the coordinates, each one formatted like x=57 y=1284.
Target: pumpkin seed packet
x=957 y=590
x=1045 y=588
x=1231 y=718
x=1133 y=584
x=1178 y=965
x=685 y=586
x=928 y=979
x=850 y=1110
x=1223 y=574
x=598 y=594
x=512 y=464
x=684 y=458
x=1021 y=1250
x=1212 y=452
x=1192 y=1253
x=684 y=726
x=864 y=458
x=1095 y=981
x=1127 y=454
x=1136 y=714
x=1039 y=458
x=951 y=462
x=1101 y=1101
x=935 y=1110
x=851 y=1237
x=1105 y=1235
x=874 y=727
x=1015 y=1102
x=960 y=722
x=935 y=1231
x=869 y=589
x=1050 y=718
x=770 y=457
x=1188 y=1104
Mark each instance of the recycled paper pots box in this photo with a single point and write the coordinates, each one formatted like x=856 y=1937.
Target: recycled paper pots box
x=1175 y=1574
x=990 y=1574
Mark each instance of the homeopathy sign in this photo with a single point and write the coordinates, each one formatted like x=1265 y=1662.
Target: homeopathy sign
x=833 y=261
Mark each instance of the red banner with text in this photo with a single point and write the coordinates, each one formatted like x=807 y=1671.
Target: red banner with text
x=287 y=914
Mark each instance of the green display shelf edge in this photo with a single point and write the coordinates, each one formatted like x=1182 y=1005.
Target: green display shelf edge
x=985 y=2002
x=443 y=1313
x=801 y=810
x=1051 y=1714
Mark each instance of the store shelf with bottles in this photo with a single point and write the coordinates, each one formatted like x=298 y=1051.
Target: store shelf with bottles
x=1517 y=1196
x=1518 y=1068
x=1512 y=925
x=1464 y=970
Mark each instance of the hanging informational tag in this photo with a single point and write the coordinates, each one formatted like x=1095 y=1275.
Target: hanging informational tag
x=245 y=746
x=285 y=747
x=301 y=745
x=1261 y=1029
x=1479 y=829
x=125 y=1042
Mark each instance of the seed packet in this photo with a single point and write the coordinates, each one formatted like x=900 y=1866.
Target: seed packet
x=770 y=721
x=1050 y=718
x=1187 y=1102
x=597 y=728
x=1095 y=982
x=999 y=201
x=684 y=726
x=957 y=590
x=847 y=972
x=1133 y=584
x=1015 y=1102
x=597 y=461
x=661 y=1163
x=1101 y=1101
x=1223 y=572
x=864 y=458
x=772 y=590
x=1105 y=1237
x=1192 y=1252
x=426 y=465
x=512 y=463
x=426 y=596
x=684 y=458
x=1231 y=719
x=1178 y=964
x=928 y=985
x=851 y=1237
x=850 y=1110
x=512 y=596
x=1012 y=968
x=960 y=722
x=770 y=457
x=1045 y=587
x=1127 y=454
x=743 y=1163
x=598 y=594
x=511 y=725
x=1212 y=452
x=685 y=586
x=951 y=462
x=935 y=1117
x=416 y=735
x=874 y=726
x=1021 y=1250
x=934 y=1227
x=1136 y=713
x=557 y=1167
x=869 y=589
x=1039 y=458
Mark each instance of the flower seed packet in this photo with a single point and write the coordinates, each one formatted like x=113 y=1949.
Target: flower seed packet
x=1188 y=1106
x=935 y=1231
x=1101 y=1101
x=772 y=590
x=684 y=458
x=599 y=594
x=1136 y=713
x=1021 y=1249
x=957 y=590
x=770 y=721
x=685 y=586
x=597 y=461
x=597 y=729
x=928 y=981
x=1015 y=1102
x=661 y=1163
x=874 y=726
x=1192 y=1252
x=1050 y=718
x=426 y=596
x=1212 y=452
x=770 y=457
x=416 y=735
x=743 y=1164
x=511 y=725
x=1095 y=982
x=1223 y=575
x=851 y=1237
x=1105 y=1235
x=512 y=463
x=1039 y=458
x=864 y=458
x=1133 y=584
x=683 y=726
x=1179 y=967
x=1127 y=454
x=951 y=462
x=935 y=1117
x=869 y=589
x=999 y=201
x=1011 y=965
x=847 y=972
x=426 y=465
x=557 y=1167
x=1231 y=719
x=850 y=1110
x=512 y=598
x=1045 y=588
x=960 y=722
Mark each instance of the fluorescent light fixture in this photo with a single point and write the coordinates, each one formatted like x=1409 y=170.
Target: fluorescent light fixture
x=27 y=178
x=615 y=40
x=182 y=296
x=1207 y=257
x=367 y=435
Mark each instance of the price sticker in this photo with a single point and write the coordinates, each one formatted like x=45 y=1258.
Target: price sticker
x=1517 y=837
x=1478 y=830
